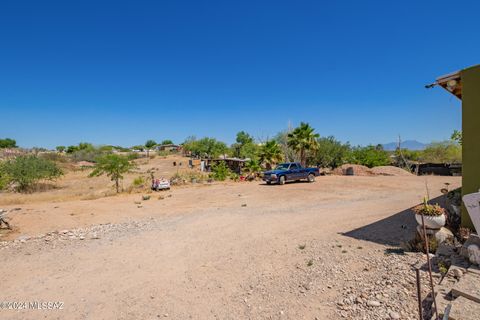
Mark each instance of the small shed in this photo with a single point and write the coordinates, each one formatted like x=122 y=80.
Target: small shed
x=234 y=164
x=169 y=147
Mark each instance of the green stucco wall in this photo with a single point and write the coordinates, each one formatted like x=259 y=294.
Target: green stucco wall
x=471 y=135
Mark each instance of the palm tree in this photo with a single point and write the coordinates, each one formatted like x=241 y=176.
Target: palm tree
x=270 y=153
x=302 y=139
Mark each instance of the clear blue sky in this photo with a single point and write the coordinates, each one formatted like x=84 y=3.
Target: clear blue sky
x=123 y=72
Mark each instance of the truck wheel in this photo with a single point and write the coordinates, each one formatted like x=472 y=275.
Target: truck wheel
x=281 y=181
x=311 y=177
x=269 y=182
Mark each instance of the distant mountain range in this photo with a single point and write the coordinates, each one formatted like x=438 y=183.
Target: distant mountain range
x=407 y=144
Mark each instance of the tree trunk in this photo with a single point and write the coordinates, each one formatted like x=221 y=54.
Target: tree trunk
x=116 y=185
x=302 y=157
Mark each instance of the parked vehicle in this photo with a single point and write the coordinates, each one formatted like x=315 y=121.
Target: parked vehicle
x=290 y=171
x=160 y=184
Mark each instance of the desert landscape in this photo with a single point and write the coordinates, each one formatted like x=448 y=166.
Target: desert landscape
x=239 y=160
x=226 y=250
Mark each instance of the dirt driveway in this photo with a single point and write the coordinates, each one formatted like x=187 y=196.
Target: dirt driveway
x=225 y=251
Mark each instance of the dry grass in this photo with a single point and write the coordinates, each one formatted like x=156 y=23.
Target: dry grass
x=76 y=185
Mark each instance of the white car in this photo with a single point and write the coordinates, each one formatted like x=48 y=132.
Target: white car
x=162 y=184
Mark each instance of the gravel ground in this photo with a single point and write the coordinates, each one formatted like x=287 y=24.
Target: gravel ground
x=330 y=254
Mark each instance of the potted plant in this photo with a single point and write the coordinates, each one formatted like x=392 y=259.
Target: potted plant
x=433 y=215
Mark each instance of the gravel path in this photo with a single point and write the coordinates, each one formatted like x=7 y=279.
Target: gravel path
x=285 y=259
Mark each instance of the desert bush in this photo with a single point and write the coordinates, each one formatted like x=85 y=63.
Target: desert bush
x=194 y=175
x=442 y=152
x=205 y=147
x=53 y=156
x=7 y=143
x=245 y=146
x=26 y=171
x=330 y=153
x=234 y=176
x=166 y=141
x=188 y=176
x=282 y=140
x=4 y=179
x=138 y=182
x=220 y=171
x=90 y=155
x=133 y=156
x=370 y=156
x=114 y=166
x=80 y=146
x=163 y=153
x=252 y=167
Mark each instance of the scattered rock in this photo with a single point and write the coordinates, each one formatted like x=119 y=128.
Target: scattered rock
x=373 y=303
x=457 y=273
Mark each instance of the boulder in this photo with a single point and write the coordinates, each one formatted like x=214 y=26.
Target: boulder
x=474 y=254
x=444 y=235
x=473 y=239
x=441 y=235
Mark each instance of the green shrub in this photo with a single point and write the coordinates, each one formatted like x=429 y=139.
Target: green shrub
x=205 y=147
x=138 y=182
x=220 y=171
x=133 y=156
x=114 y=166
x=90 y=155
x=53 y=156
x=330 y=153
x=4 y=178
x=252 y=167
x=234 y=176
x=442 y=152
x=25 y=171
x=370 y=156
x=8 y=143
x=164 y=153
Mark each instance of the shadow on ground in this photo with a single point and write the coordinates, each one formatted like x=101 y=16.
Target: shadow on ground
x=392 y=231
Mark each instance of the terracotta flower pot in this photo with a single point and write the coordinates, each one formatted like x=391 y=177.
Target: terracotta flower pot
x=431 y=222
